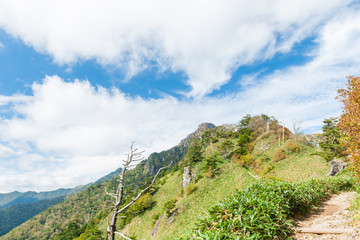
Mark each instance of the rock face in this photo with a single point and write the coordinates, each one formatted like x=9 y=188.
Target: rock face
x=157 y=160
x=186 y=177
x=199 y=131
x=336 y=167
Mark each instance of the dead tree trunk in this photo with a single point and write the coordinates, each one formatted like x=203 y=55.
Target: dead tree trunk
x=133 y=156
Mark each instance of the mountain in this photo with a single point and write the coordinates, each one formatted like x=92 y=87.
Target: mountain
x=232 y=158
x=109 y=176
x=13 y=198
x=15 y=215
x=17 y=207
x=92 y=199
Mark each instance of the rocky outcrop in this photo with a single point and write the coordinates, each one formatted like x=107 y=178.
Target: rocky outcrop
x=336 y=166
x=157 y=160
x=197 y=134
x=186 y=177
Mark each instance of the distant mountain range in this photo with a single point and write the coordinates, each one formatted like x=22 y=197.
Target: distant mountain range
x=25 y=205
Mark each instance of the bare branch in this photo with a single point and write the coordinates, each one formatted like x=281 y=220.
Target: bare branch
x=139 y=195
x=111 y=194
x=122 y=235
x=134 y=155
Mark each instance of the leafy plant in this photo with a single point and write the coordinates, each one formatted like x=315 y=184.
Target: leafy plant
x=263 y=210
x=169 y=207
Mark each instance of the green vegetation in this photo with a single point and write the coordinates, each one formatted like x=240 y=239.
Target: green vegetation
x=331 y=144
x=194 y=154
x=263 y=210
x=222 y=159
x=13 y=216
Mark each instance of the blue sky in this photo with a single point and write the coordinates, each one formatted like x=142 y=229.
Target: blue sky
x=81 y=80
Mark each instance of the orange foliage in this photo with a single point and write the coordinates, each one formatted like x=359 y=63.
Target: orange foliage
x=349 y=122
x=279 y=155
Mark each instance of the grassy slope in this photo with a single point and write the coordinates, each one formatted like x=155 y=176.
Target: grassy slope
x=209 y=192
x=295 y=167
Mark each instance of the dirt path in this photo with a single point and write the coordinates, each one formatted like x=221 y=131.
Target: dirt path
x=332 y=216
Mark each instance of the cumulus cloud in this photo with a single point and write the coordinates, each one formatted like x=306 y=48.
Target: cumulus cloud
x=69 y=132
x=206 y=40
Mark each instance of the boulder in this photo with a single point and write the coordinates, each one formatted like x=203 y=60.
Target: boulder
x=336 y=166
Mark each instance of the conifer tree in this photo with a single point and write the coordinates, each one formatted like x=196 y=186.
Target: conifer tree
x=331 y=143
x=194 y=153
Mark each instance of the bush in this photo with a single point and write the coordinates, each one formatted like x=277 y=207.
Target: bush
x=143 y=203
x=191 y=188
x=293 y=147
x=169 y=207
x=264 y=210
x=245 y=161
x=214 y=140
x=279 y=155
x=264 y=158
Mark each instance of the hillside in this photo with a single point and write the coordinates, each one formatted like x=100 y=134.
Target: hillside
x=13 y=198
x=28 y=204
x=230 y=175
x=93 y=200
x=15 y=215
x=221 y=160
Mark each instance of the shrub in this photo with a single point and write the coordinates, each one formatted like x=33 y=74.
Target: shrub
x=293 y=147
x=264 y=158
x=279 y=155
x=214 y=140
x=169 y=207
x=264 y=210
x=143 y=203
x=245 y=161
x=266 y=134
x=191 y=188
x=267 y=170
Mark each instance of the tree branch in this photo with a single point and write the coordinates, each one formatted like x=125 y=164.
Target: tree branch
x=138 y=196
x=122 y=235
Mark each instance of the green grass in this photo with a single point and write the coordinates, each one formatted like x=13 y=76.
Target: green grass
x=209 y=192
x=301 y=166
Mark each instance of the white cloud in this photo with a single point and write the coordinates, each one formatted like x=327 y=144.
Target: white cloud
x=206 y=40
x=69 y=133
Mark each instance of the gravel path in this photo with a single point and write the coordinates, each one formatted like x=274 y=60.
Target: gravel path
x=332 y=216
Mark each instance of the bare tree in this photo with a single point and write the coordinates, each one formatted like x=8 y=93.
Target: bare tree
x=132 y=157
x=296 y=125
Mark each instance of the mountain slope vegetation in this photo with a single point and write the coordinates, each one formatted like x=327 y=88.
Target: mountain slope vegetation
x=92 y=202
x=219 y=160
x=13 y=216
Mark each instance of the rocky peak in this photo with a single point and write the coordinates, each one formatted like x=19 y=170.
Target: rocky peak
x=199 y=131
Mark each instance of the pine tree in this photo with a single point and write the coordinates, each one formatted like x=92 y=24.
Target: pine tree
x=331 y=143
x=194 y=153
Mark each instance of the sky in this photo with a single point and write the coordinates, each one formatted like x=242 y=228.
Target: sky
x=80 y=80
